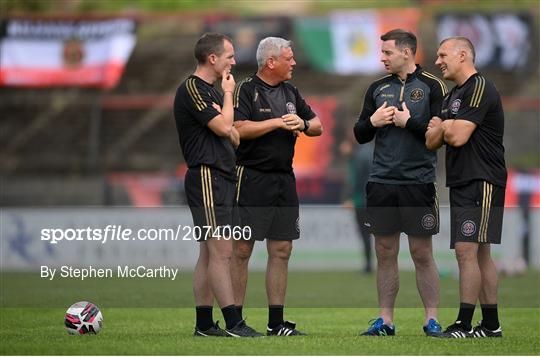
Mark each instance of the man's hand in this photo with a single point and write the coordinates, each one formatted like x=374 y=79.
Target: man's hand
x=435 y=121
x=434 y=133
x=279 y=123
x=402 y=116
x=216 y=107
x=383 y=116
x=227 y=81
x=293 y=121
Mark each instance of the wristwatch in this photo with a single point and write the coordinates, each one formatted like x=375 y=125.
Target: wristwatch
x=306 y=125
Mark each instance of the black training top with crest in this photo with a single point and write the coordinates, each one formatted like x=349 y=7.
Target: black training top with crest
x=482 y=157
x=401 y=156
x=193 y=109
x=256 y=100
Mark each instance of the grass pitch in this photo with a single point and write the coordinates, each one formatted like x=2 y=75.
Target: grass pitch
x=26 y=327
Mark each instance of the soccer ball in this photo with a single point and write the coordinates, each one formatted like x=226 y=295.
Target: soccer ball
x=83 y=317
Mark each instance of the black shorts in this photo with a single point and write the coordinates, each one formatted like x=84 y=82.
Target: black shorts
x=210 y=196
x=476 y=213
x=268 y=204
x=412 y=209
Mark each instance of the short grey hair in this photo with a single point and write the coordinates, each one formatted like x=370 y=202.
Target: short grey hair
x=270 y=47
x=462 y=44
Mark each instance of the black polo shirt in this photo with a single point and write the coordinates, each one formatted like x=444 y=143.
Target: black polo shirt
x=193 y=109
x=482 y=157
x=256 y=100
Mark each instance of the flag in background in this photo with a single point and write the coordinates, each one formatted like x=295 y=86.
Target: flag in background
x=45 y=52
x=349 y=42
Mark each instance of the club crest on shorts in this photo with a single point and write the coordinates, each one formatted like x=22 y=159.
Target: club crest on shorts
x=417 y=94
x=454 y=108
x=429 y=221
x=291 y=109
x=468 y=228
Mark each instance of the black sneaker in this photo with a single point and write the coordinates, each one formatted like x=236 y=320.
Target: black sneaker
x=287 y=328
x=456 y=330
x=241 y=329
x=379 y=328
x=481 y=332
x=214 y=331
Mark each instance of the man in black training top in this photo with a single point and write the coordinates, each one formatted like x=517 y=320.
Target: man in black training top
x=401 y=194
x=472 y=127
x=204 y=119
x=269 y=114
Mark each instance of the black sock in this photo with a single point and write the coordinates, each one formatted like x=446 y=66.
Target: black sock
x=231 y=316
x=275 y=315
x=239 y=310
x=204 y=319
x=466 y=312
x=490 y=316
